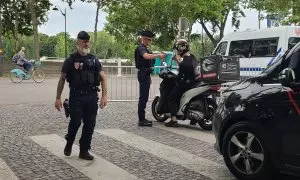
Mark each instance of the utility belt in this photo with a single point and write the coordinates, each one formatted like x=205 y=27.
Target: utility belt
x=148 y=70
x=84 y=91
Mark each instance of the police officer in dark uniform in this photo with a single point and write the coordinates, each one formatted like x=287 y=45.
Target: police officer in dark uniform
x=144 y=64
x=84 y=73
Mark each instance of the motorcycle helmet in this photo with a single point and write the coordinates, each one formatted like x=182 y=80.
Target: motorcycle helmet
x=181 y=47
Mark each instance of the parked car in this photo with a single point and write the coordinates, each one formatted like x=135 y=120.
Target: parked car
x=257 y=122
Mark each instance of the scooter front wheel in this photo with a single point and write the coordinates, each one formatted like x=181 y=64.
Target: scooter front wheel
x=158 y=117
x=206 y=122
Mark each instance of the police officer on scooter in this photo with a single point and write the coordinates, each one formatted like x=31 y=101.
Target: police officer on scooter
x=144 y=64
x=84 y=72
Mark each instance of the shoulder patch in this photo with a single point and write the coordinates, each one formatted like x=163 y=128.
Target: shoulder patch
x=76 y=65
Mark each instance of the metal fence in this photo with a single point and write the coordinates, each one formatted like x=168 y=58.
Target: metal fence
x=123 y=84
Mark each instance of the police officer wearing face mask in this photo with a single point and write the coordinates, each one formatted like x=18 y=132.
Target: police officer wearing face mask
x=144 y=64
x=84 y=73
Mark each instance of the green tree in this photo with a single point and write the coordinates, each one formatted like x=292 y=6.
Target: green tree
x=17 y=17
x=287 y=10
x=215 y=14
x=126 y=17
x=201 y=47
x=60 y=44
x=47 y=45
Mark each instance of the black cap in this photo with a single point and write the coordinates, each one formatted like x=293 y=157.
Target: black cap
x=82 y=35
x=147 y=33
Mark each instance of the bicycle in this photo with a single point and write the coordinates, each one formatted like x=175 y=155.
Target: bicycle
x=17 y=75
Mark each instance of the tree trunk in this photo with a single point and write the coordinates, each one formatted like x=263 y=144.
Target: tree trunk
x=31 y=4
x=223 y=23
x=210 y=36
x=16 y=27
x=96 y=23
x=1 y=45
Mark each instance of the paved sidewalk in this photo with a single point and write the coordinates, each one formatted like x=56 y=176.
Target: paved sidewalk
x=31 y=143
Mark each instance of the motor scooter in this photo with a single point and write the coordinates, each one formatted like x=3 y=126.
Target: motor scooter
x=197 y=104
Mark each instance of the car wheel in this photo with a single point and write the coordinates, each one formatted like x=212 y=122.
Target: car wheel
x=245 y=152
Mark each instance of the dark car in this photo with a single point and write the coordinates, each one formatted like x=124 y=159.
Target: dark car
x=257 y=122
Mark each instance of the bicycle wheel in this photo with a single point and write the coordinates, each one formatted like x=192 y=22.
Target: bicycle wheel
x=38 y=75
x=14 y=77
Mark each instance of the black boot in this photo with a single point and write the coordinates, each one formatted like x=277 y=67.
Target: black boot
x=172 y=124
x=193 y=122
x=85 y=155
x=145 y=123
x=68 y=149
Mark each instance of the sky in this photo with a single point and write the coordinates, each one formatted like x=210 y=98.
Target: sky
x=82 y=17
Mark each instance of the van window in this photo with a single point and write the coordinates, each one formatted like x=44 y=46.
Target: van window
x=265 y=47
x=221 y=49
x=293 y=41
x=240 y=48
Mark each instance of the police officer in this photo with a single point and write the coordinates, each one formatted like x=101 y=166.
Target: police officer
x=144 y=64
x=84 y=73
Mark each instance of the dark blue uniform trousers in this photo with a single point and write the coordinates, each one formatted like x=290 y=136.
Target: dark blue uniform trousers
x=82 y=107
x=144 y=79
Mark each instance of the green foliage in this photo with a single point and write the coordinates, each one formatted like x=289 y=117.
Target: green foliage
x=126 y=17
x=199 y=47
x=18 y=10
x=288 y=10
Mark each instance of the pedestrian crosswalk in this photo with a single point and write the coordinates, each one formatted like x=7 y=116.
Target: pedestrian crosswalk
x=103 y=169
x=99 y=169
x=200 y=165
x=202 y=136
x=5 y=172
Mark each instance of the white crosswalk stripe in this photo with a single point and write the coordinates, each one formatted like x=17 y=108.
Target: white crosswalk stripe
x=97 y=169
x=202 y=136
x=101 y=168
x=5 y=172
x=200 y=165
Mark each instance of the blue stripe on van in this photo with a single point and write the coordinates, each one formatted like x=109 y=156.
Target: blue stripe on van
x=252 y=69
x=271 y=61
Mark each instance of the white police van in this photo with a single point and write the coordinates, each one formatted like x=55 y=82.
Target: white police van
x=258 y=49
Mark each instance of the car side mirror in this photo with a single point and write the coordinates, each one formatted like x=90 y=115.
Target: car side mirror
x=287 y=76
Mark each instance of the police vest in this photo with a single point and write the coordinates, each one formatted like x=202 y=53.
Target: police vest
x=140 y=61
x=84 y=73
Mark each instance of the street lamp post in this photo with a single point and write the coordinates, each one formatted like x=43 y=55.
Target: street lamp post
x=65 y=15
